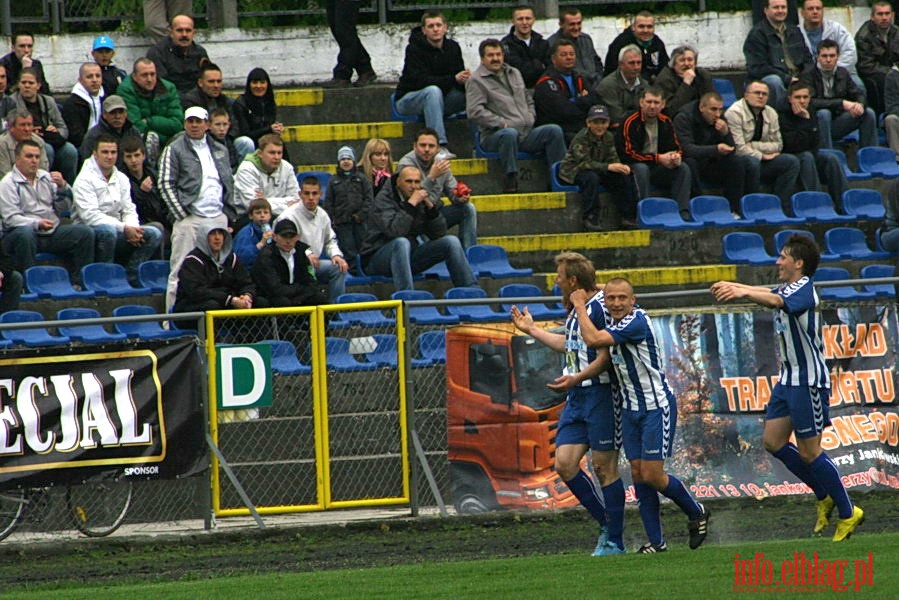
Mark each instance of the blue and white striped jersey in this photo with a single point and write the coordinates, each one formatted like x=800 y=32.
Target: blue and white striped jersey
x=798 y=335
x=638 y=364
x=577 y=354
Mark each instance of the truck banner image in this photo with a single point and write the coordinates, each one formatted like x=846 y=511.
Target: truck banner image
x=135 y=414
x=722 y=366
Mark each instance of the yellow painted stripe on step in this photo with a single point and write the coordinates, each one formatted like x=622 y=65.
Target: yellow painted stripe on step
x=332 y=168
x=342 y=131
x=517 y=202
x=664 y=275
x=301 y=97
x=556 y=242
x=469 y=166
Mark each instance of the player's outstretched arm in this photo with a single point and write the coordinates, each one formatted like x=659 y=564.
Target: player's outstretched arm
x=524 y=322
x=725 y=291
x=599 y=365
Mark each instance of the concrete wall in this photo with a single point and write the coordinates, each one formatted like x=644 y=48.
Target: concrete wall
x=302 y=55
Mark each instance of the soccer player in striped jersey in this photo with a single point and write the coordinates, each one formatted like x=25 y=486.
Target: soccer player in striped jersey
x=800 y=400
x=648 y=411
x=589 y=420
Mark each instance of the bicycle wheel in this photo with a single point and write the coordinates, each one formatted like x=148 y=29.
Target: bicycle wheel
x=12 y=505
x=98 y=509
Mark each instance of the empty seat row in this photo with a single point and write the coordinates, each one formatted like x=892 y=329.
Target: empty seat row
x=868 y=291
x=100 y=279
x=840 y=243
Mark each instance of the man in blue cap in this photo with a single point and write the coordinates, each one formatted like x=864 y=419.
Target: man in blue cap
x=103 y=53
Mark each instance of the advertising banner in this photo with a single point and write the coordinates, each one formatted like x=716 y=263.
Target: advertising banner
x=69 y=418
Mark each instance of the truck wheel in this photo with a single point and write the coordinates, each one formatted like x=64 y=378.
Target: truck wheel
x=468 y=503
x=472 y=491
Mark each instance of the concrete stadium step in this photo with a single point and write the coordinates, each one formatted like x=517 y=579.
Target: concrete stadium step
x=661 y=277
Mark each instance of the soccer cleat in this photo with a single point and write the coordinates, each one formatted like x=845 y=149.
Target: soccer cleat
x=824 y=508
x=602 y=540
x=608 y=549
x=650 y=548
x=845 y=527
x=699 y=528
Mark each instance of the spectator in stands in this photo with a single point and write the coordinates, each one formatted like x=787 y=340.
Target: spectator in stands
x=29 y=198
x=82 y=109
x=891 y=110
x=208 y=94
x=11 y=284
x=641 y=33
x=350 y=197
x=21 y=58
x=648 y=144
x=562 y=96
x=621 y=90
x=153 y=105
x=877 y=44
x=434 y=75
x=709 y=149
x=439 y=182
x=316 y=231
x=838 y=102
x=592 y=161
x=20 y=127
x=815 y=28
x=6 y=101
x=151 y=209
x=102 y=201
x=504 y=112
x=889 y=233
x=402 y=216
x=113 y=122
x=178 y=59
x=265 y=174
x=343 y=16
x=681 y=81
x=376 y=163
x=588 y=64
x=776 y=53
x=219 y=127
x=525 y=49
x=158 y=13
x=103 y=53
x=212 y=278
x=758 y=11
x=256 y=110
x=196 y=185
x=48 y=123
x=256 y=234
x=282 y=272
x=800 y=130
x=756 y=130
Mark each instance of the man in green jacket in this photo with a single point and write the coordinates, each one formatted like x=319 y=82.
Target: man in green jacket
x=153 y=105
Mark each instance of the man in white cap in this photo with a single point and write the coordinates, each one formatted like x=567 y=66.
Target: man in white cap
x=103 y=53
x=196 y=185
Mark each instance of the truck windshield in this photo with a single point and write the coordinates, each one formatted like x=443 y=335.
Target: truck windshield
x=535 y=366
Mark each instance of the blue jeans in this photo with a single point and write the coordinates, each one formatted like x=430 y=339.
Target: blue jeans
x=815 y=168
x=22 y=244
x=465 y=215
x=777 y=92
x=679 y=180
x=65 y=160
x=781 y=172
x=431 y=103
x=110 y=245
x=832 y=128
x=890 y=240
x=328 y=272
x=548 y=140
x=398 y=260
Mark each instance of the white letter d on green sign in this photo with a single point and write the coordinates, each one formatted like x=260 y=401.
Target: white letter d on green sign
x=244 y=376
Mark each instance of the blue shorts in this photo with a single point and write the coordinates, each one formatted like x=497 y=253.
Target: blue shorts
x=807 y=407
x=649 y=434
x=589 y=417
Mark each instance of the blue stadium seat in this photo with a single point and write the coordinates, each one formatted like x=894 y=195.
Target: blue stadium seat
x=363 y=278
x=32 y=338
x=817 y=207
x=478 y=313
x=284 y=358
x=423 y=315
x=765 y=209
x=744 y=248
x=725 y=87
x=849 y=242
x=145 y=330
x=366 y=318
x=154 y=274
x=864 y=203
x=432 y=346
x=385 y=353
x=338 y=357
x=493 y=261
x=849 y=173
x=479 y=151
x=53 y=282
x=86 y=333
x=557 y=185
x=781 y=237
x=884 y=290
x=662 y=213
x=110 y=279
x=403 y=118
x=523 y=290
x=714 y=210
x=323 y=178
x=840 y=292
x=879 y=162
